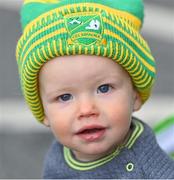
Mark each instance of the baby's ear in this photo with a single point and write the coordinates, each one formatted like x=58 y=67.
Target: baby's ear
x=137 y=101
x=46 y=122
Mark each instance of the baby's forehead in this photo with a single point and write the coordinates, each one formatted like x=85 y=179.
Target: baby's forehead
x=85 y=70
x=83 y=65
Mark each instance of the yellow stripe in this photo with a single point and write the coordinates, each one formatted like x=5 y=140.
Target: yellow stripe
x=67 y=51
x=32 y=99
x=44 y=53
x=40 y=41
x=92 y=49
x=98 y=50
x=31 y=93
x=81 y=8
x=80 y=49
x=116 y=53
x=142 y=80
x=105 y=51
x=86 y=50
x=25 y=81
x=34 y=71
x=107 y=13
x=29 y=79
x=37 y=109
x=60 y=47
x=40 y=1
x=49 y=50
x=111 y=49
x=74 y=50
x=136 y=68
x=30 y=89
x=131 y=60
x=35 y=60
x=140 y=76
x=129 y=37
x=30 y=86
x=17 y=50
x=145 y=83
x=40 y=57
x=88 y=9
x=121 y=55
x=55 y=49
x=68 y=9
x=125 y=58
x=27 y=74
x=151 y=68
x=28 y=66
x=35 y=66
x=39 y=114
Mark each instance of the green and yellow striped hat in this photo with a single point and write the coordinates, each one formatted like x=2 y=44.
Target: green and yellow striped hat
x=109 y=28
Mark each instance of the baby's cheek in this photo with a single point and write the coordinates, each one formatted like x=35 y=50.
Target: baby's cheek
x=115 y=110
x=59 y=128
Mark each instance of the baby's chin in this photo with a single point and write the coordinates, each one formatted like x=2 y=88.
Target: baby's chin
x=93 y=153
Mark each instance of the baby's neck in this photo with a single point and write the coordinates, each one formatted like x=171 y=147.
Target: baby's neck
x=94 y=157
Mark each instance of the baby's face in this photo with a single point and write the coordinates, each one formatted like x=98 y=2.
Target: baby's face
x=88 y=102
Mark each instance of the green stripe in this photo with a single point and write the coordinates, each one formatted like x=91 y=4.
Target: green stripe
x=172 y=155
x=87 y=165
x=164 y=124
x=137 y=132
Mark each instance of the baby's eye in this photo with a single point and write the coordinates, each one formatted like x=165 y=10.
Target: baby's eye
x=65 y=97
x=104 y=88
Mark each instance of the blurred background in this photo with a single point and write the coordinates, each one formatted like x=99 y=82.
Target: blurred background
x=23 y=141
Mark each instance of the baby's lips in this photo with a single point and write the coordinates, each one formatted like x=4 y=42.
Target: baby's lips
x=89 y=128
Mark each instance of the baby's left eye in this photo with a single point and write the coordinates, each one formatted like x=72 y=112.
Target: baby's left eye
x=104 y=88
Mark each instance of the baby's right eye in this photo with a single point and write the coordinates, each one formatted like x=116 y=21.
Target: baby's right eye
x=65 y=97
x=105 y=88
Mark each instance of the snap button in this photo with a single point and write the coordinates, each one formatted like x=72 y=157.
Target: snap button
x=130 y=167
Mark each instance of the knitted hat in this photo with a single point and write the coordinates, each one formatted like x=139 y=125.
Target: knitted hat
x=108 y=28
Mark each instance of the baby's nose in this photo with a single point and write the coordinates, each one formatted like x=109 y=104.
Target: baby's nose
x=87 y=109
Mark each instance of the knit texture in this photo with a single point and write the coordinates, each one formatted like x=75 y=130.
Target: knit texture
x=143 y=160
x=109 y=28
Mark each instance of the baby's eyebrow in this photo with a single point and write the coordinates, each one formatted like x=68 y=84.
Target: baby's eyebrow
x=111 y=77
x=57 y=90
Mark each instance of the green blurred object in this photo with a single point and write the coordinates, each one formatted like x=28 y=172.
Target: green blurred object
x=164 y=124
x=164 y=131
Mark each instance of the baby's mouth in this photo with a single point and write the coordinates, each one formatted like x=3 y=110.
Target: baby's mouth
x=91 y=133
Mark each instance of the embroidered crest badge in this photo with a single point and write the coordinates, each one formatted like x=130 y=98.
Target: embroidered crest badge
x=84 y=29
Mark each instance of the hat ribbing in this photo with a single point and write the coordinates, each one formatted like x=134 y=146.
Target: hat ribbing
x=108 y=28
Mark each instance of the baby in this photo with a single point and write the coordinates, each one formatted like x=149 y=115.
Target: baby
x=84 y=70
